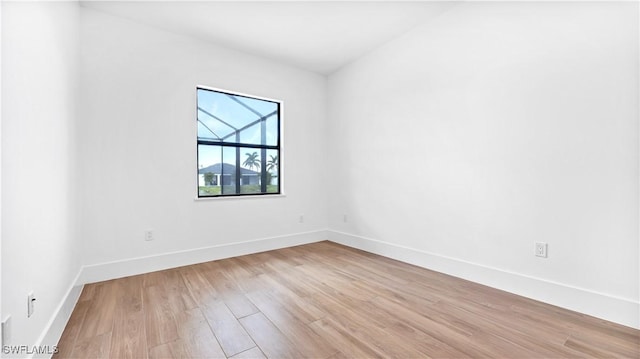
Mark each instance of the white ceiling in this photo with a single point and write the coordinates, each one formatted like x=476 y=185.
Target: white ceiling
x=317 y=36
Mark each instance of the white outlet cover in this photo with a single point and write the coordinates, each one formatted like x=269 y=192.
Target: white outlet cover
x=541 y=249
x=6 y=331
x=30 y=304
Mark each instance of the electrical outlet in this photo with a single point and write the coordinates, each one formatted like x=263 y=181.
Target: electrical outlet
x=148 y=235
x=31 y=301
x=301 y=219
x=6 y=331
x=541 y=249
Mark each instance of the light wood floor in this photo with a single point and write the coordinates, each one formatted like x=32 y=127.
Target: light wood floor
x=324 y=300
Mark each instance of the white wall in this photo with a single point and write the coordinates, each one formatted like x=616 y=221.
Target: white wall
x=138 y=154
x=39 y=88
x=1 y=315
x=497 y=125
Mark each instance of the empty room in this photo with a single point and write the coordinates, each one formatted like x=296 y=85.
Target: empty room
x=320 y=179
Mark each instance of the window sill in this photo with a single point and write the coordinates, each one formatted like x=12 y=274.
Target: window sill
x=226 y=198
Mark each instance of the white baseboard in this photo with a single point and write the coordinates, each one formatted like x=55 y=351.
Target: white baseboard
x=52 y=333
x=601 y=305
x=133 y=266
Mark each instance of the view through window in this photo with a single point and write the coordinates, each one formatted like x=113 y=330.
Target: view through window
x=238 y=144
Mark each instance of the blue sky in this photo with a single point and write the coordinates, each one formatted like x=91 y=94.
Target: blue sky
x=222 y=106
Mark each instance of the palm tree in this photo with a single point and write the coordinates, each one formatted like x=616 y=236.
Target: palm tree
x=252 y=160
x=273 y=163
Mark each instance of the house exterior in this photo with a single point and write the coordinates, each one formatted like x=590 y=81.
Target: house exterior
x=224 y=174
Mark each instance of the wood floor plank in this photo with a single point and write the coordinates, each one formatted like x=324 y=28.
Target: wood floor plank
x=231 y=294
x=587 y=349
x=198 y=286
x=128 y=338
x=100 y=315
x=88 y=292
x=176 y=291
x=239 y=304
x=324 y=300
x=245 y=280
x=481 y=319
x=355 y=317
x=293 y=327
x=604 y=342
x=338 y=355
x=97 y=347
x=346 y=343
x=294 y=301
x=230 y=334
x=160 y=324
x=197 y=338
x=168 y=350
x=253 y=353
x=291 y=287
x=251 y=263
x=450 y=333
x=361 y=326
x=68 y=339
x=424 y=343
x=267 y=336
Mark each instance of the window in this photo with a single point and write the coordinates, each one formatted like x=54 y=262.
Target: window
x=238 y=144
